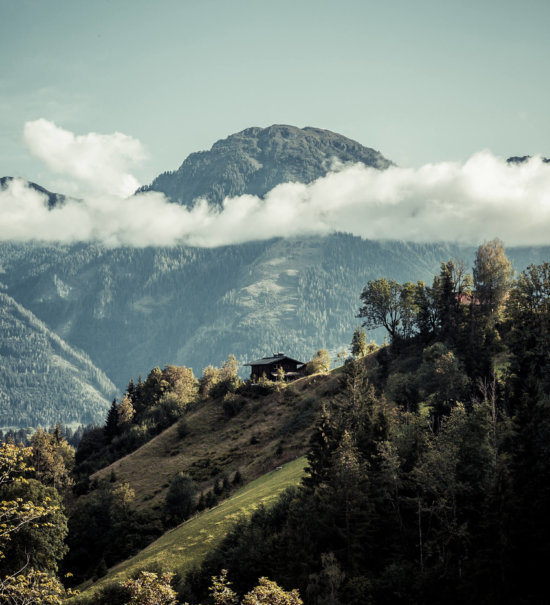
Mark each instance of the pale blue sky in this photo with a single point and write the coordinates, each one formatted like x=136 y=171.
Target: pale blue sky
x=421 y=81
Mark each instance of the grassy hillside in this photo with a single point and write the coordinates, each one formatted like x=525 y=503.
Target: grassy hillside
x=266 y=432
x=185 y=546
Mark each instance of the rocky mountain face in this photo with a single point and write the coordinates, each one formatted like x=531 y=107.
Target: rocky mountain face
x=257 y=159
x=133 y=309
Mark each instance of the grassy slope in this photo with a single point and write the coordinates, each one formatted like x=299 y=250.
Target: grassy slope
x=185 y=546
x=268 y=432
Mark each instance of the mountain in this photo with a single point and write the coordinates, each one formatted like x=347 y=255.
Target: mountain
x=54 y=199
x=43 y=379
x=520 y=159
x=257 y=159
x=133 y=309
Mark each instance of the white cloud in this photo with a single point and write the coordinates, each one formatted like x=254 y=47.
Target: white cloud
x=466 y=202
x=98 y=160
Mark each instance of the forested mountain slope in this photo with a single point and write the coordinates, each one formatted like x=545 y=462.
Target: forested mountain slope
x=133 y=309
x=43 y=379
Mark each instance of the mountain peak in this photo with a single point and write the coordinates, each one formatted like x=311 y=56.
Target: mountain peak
x=256 y=159
x=54 y=199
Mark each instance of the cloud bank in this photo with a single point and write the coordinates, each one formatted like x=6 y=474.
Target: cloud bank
x=482 y=198
x=99 y=160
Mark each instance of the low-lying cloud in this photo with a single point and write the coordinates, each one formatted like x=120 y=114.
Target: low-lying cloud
x=482 y=198
x=100 y=161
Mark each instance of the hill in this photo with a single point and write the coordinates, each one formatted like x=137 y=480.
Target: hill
x=43 y=379
x=185 y=547
x=219 y=444
x=253 y=435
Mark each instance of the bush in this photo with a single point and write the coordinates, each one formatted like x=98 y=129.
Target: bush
x=180 y=501
x=182 y=428
x=232 y=404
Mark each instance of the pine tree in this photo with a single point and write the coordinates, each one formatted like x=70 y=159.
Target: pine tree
x=111 y=428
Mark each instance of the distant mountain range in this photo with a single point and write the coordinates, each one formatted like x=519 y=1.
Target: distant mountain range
x=132 y=309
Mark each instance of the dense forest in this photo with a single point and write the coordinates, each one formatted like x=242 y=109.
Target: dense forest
x=427 y=478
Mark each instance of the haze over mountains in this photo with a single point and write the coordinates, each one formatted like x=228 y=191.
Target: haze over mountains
x=130 y=308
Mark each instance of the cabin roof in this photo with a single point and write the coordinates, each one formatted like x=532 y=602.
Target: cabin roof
x=265 y=361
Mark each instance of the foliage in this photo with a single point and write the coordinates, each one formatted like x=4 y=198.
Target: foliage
x=151 y=589
x=104 y=528
x=492 y=271
x=52 y=459
x=390 y=305
x=358 y=345
x=319 y=363
x=216 y=382
x=180 y=500
x=33 y=587
x=145 y=410
x=269 y=593
x=265 y=593
x=19 y=582
x=38 y=545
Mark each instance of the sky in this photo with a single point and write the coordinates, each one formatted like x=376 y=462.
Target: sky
x=120 y=91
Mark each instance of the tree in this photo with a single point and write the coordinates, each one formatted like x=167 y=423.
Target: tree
x=269 y=593
x=441 y=378
x=23 y=585
x=182 y=382
x=427 y=316
x=33 y=587
x=211 y=376
x=180 y=500
x=528 y=339
x=319 y=363
x=126 y=413
x=381 y=305
x=492 y=273
x=453 y=289
x=52 y=459
x=111 y=428
x=221 y=591
x=38 y=545
x=390 y=305
x=265 y=593
x=151 y=589
x=358 y=344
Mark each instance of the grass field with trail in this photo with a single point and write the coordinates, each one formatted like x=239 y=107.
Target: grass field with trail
x=185 y=546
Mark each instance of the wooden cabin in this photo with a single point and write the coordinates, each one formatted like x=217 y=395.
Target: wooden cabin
x=268 y=366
